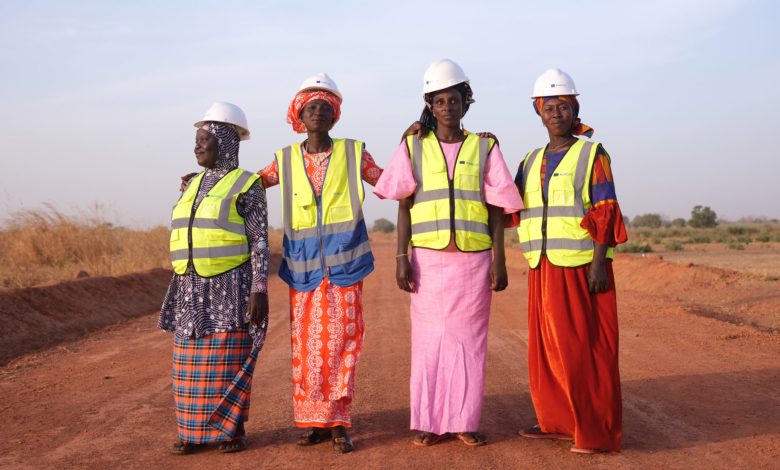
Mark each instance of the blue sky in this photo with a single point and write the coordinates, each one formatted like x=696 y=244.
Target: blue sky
x=100 y=97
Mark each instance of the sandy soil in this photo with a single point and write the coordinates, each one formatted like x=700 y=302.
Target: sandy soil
x=700 y=390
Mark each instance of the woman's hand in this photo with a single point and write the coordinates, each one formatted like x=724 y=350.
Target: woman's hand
x=258 y=309
x=186 y=179
x=415 y=129
x=488 y=135
x=597 y=277
x=403 y=274
x=498 y=277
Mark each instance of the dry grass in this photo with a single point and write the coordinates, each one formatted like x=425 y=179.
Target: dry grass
x=47 y=245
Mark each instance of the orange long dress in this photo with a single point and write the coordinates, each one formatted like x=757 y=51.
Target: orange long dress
x=326 y=326
x=573 y=334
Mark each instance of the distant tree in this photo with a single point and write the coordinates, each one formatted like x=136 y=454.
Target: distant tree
x=383 y=225
x=703 y=217
x=647 y=220
x=678 y=222
x=627 y=220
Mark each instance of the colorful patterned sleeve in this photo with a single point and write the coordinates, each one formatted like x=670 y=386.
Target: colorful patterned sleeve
x=369 y=169
x=270 y=175
x=252 y=206
x=604 y=221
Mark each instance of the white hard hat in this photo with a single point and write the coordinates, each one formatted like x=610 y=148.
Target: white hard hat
x=321 y=81
x=554 y=82
x=442 y=74
x=229 y=114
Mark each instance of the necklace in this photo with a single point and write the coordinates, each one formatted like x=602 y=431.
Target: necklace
x=568 y=143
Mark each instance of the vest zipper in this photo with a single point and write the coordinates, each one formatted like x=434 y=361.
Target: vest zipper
x=190 y=263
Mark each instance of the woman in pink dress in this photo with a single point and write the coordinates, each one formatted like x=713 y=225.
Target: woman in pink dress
x=453 y=189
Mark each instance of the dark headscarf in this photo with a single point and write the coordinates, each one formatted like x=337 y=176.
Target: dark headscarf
x=227 y=144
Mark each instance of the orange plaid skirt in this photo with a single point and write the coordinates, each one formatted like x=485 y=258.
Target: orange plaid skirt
x=212 y=382
x=327 y=338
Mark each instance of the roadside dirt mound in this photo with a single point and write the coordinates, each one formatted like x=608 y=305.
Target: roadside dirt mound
x=706 y=291
x=35 y=318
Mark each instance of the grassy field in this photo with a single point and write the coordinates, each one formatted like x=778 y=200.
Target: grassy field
x=46 y=245
x=751 y=248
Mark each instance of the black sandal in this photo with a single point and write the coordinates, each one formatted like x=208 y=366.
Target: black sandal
x=314 y=436
x=184 y=448
x=237 y=444
x=342 y=443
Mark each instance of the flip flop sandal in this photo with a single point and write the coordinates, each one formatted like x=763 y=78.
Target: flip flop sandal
x=184 y=448
x=342 y=445
x=472 y=439
x=427 y=439
x=237 y=444
x=535 y=432
x=314 y=436
x=578 y=450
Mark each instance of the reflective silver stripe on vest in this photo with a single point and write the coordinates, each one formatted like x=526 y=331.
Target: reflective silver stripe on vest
x=287 y=193
x=213 y=252
x=557 y=244
x=210 y=223
x=302 y=266
x=529 y=163
x=433 y=226
x=470 y=226
x=347 y=256
x=552 y=211
x=580 y=175
x=429 y=226
x=434 y=194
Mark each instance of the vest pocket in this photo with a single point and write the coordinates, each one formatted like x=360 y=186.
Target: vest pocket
x=339 y=214
x=303 y=212
x=562 y=197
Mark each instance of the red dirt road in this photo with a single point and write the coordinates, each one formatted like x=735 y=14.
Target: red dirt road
x=699 y=388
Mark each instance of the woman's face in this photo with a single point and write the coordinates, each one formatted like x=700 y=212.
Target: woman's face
x=447 y=107
x=557 y=117
x=317 y=116
x=206 y=150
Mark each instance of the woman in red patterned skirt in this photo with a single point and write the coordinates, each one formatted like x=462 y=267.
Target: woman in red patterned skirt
x=326 y=256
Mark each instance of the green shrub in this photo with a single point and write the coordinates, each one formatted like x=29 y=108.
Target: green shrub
x=745 y=239
x=633 y=247
x=647 y=220
x=735 y=246
x=674 y=245
x=699 y=239
x=763 y=238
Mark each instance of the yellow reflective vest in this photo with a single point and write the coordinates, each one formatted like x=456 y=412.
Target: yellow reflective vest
x=326 y=235
x=551 y=226
x=212 y=238
x=443 y=205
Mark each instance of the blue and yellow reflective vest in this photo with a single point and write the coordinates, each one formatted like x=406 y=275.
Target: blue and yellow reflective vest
x=324 y=236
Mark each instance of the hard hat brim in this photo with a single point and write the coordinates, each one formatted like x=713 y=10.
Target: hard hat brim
x=243 y=134
x=319 y=88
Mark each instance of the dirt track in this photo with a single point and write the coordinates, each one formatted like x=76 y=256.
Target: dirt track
x=700 y=389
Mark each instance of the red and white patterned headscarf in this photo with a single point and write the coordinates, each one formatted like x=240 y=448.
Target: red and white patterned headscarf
x=303 y=97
